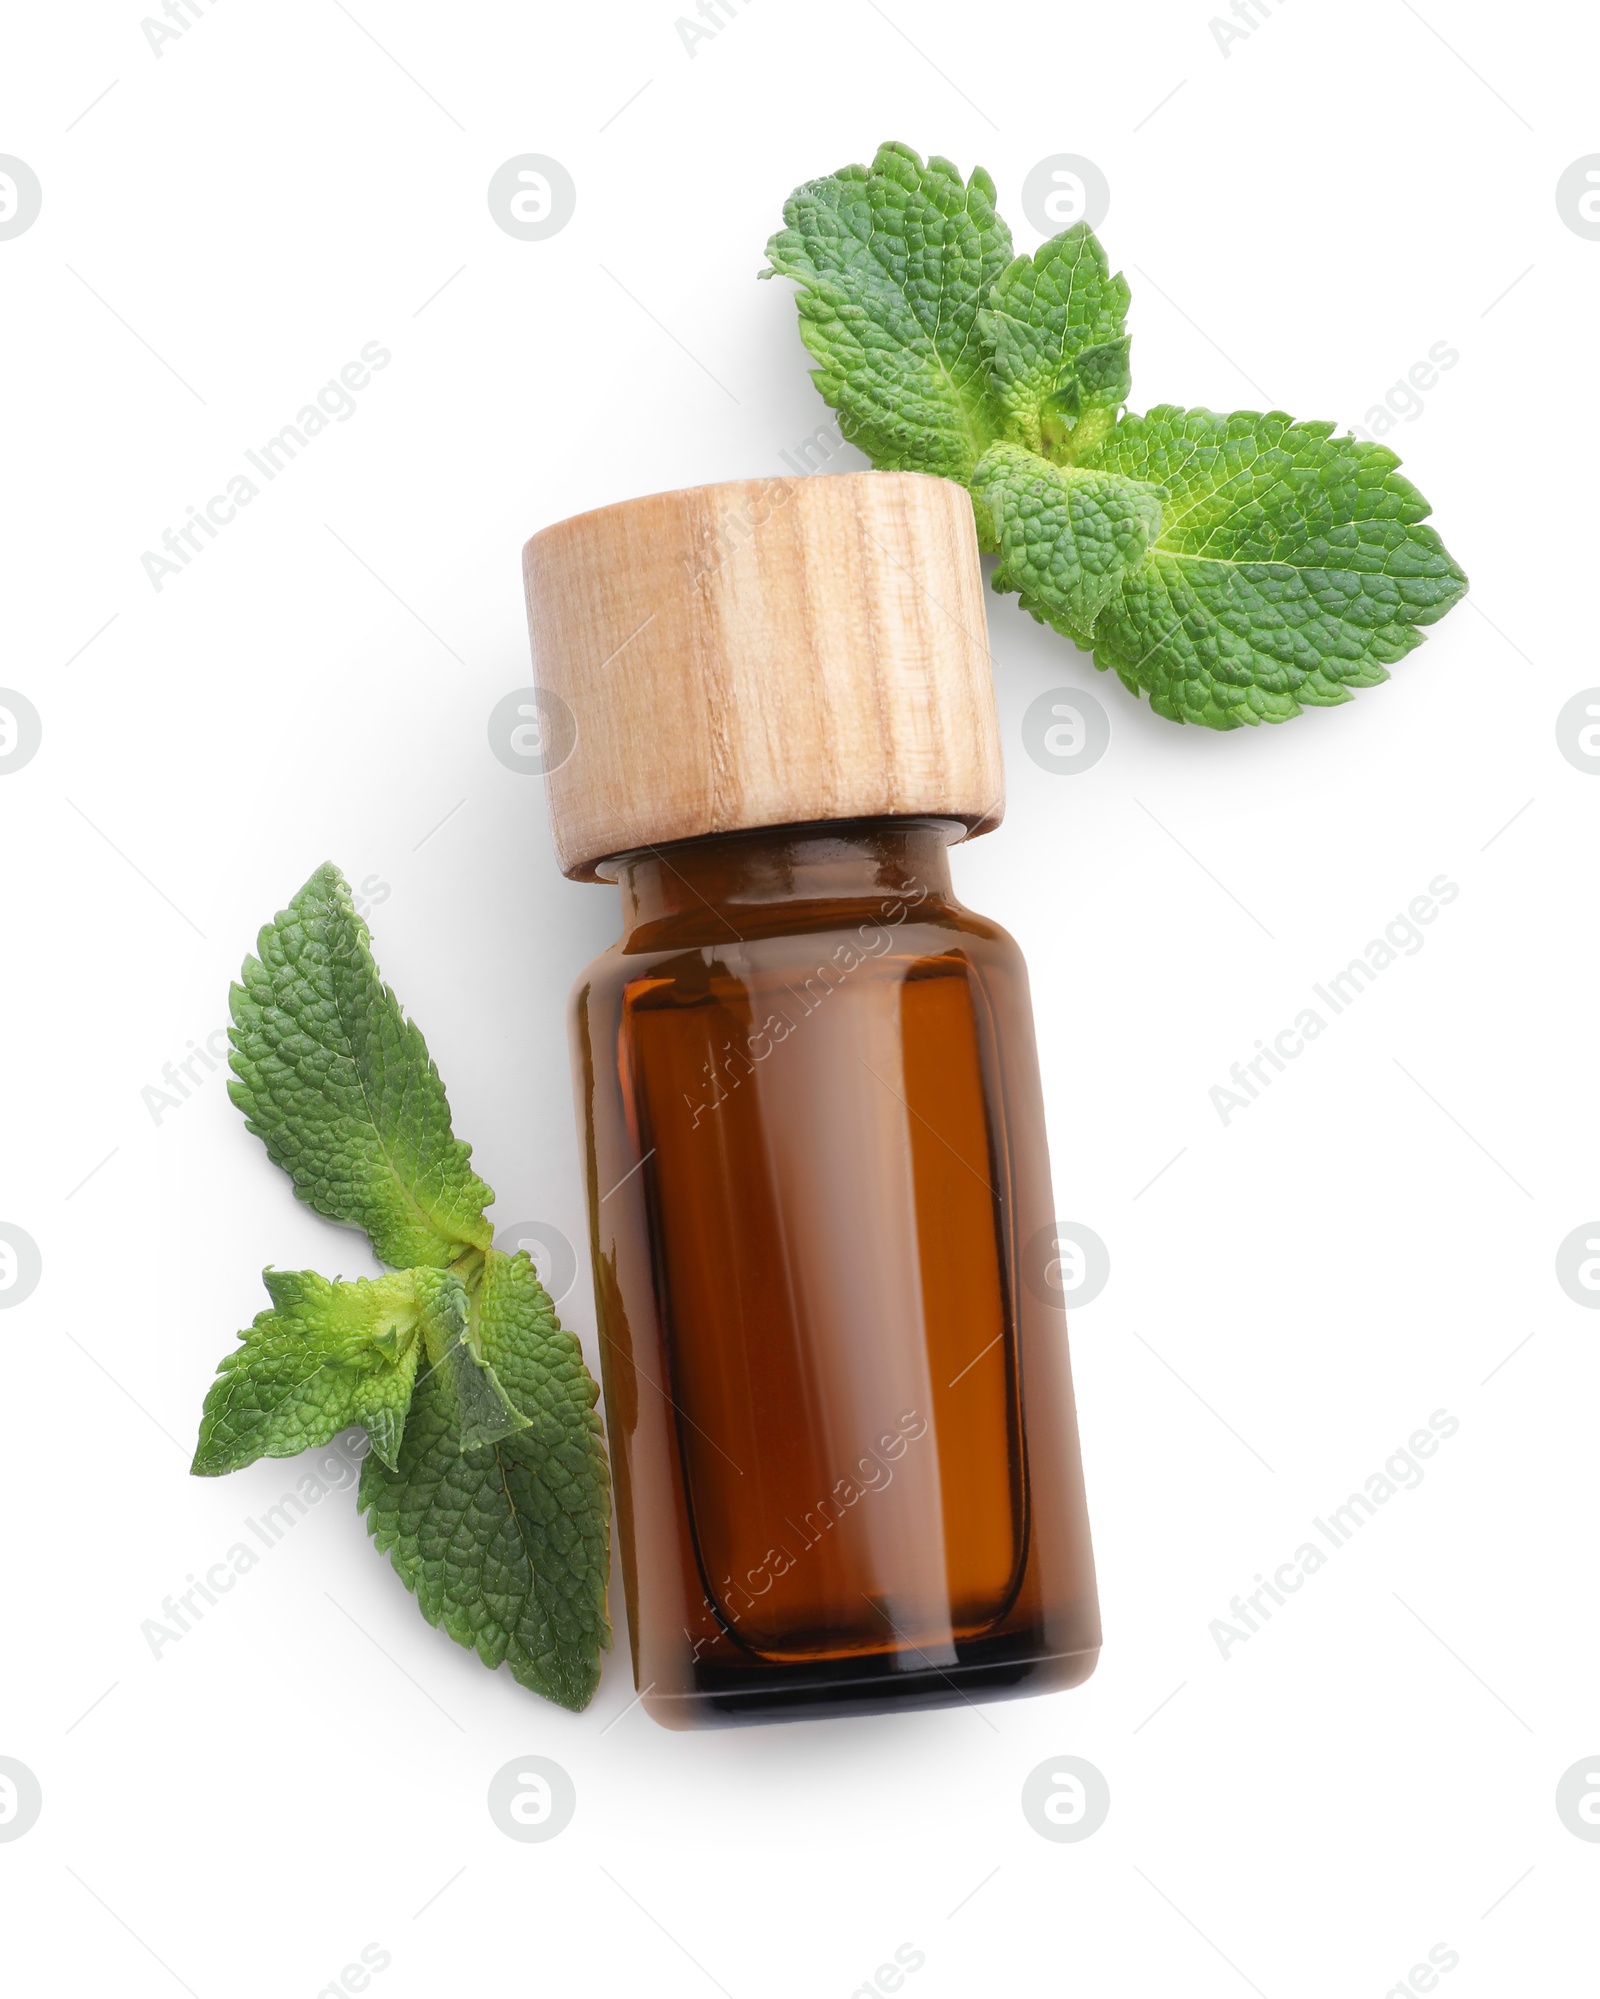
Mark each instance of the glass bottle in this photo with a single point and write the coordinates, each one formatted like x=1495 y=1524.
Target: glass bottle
x=836 y=1377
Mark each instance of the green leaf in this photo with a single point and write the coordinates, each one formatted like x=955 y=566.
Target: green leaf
x=507 y=1545
x=1056 y=326
x=485 y=1413
x=1067 y=536
x=325 y=1356
x=339 y=1086
x=1291 y=566
x=894 y=262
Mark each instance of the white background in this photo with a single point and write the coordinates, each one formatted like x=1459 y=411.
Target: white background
x=305 y=1772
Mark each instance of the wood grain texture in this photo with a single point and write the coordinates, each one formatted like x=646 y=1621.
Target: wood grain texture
x=763 y=653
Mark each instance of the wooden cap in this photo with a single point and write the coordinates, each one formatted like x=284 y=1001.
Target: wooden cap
x=764 y=653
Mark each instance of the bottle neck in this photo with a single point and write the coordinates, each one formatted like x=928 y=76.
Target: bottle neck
x=740 y=882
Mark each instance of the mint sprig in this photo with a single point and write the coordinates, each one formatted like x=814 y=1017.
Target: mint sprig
x=487 y=1483
x=1235 y=568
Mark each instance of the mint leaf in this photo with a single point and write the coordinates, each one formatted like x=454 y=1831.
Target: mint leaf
x=894 y=262
x=485 y=1412
x=1067 y=536
x=506 y=1545
x=339 y=1086
x=325 y=1356
x=1055 y=326
x=1291 y=566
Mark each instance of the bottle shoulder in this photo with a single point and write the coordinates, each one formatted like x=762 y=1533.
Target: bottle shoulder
x=796 y=934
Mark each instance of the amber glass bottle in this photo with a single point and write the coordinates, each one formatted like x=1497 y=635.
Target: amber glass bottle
x=840 y=1415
